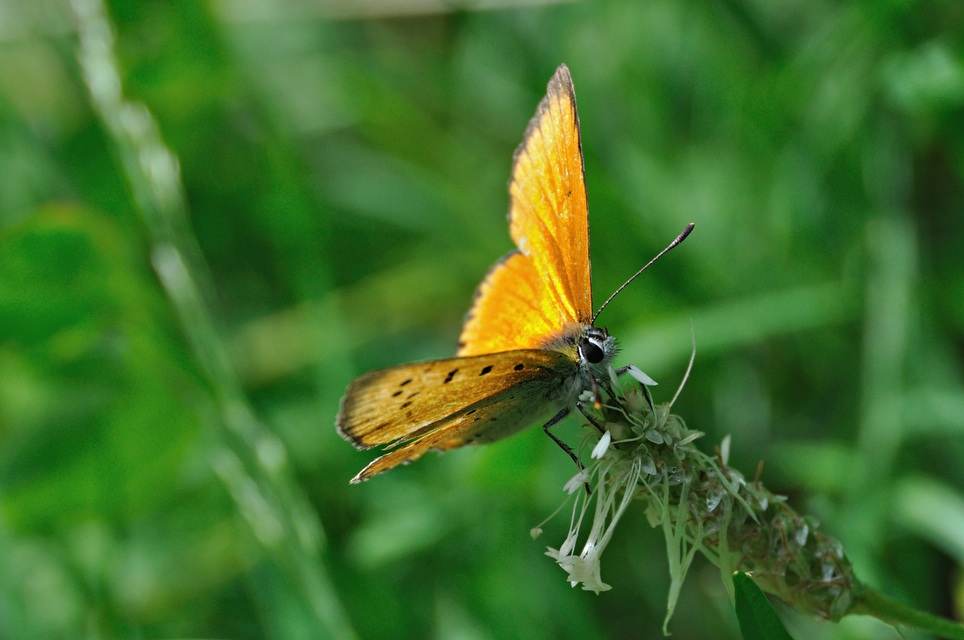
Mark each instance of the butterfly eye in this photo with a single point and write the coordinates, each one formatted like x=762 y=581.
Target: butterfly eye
x=591 y=351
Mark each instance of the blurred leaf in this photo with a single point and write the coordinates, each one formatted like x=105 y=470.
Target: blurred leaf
x=758 y=619
x=917 y=499
x=92 y=375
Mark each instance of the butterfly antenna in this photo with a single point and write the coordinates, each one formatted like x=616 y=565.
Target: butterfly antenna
x=679 y=239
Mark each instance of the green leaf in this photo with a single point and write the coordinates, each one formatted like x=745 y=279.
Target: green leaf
x=758 y=619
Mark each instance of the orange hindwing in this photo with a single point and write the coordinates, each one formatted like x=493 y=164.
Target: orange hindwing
x=442 y=404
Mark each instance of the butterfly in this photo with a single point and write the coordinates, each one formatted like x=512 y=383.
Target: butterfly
x=528 y=347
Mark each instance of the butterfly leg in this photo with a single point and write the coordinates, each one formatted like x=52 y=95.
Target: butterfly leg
x=562 y=445
x=649 y=398
x=588 y=417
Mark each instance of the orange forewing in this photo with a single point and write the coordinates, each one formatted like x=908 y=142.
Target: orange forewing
x=538 y=290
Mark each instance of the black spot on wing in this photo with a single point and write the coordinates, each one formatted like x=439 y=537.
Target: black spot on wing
x=405 y=382
x=519 y=367
x=397 y=393
x=486 y=369
x=450 y=376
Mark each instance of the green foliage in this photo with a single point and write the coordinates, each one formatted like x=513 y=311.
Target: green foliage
x=168 y=464
x=758 y=619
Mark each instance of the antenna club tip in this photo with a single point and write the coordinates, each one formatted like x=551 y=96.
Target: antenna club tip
x=671 y=245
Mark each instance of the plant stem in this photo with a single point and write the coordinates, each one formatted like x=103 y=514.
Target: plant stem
x=250 y=460
x=869 y=601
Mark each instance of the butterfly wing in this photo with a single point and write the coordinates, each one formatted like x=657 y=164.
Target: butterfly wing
x=443 y=404
x=536 y=291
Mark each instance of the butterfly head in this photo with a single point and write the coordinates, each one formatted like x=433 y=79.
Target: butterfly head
x=596 y=348
x=593 y=348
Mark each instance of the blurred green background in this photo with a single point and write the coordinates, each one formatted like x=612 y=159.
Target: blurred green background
x=176 y=330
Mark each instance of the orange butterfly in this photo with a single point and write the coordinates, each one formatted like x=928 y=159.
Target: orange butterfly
x=528 y=347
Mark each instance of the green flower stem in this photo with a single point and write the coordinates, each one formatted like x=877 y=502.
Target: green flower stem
x=869 y=601
x=702 y=504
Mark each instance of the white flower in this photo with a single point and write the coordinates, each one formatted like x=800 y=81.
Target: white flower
x=725 y=450
x=640 y=377
x=610 y=479
x=602 y=446
x=576 y=482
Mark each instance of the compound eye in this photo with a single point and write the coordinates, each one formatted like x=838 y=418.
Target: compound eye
x=591 y=351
